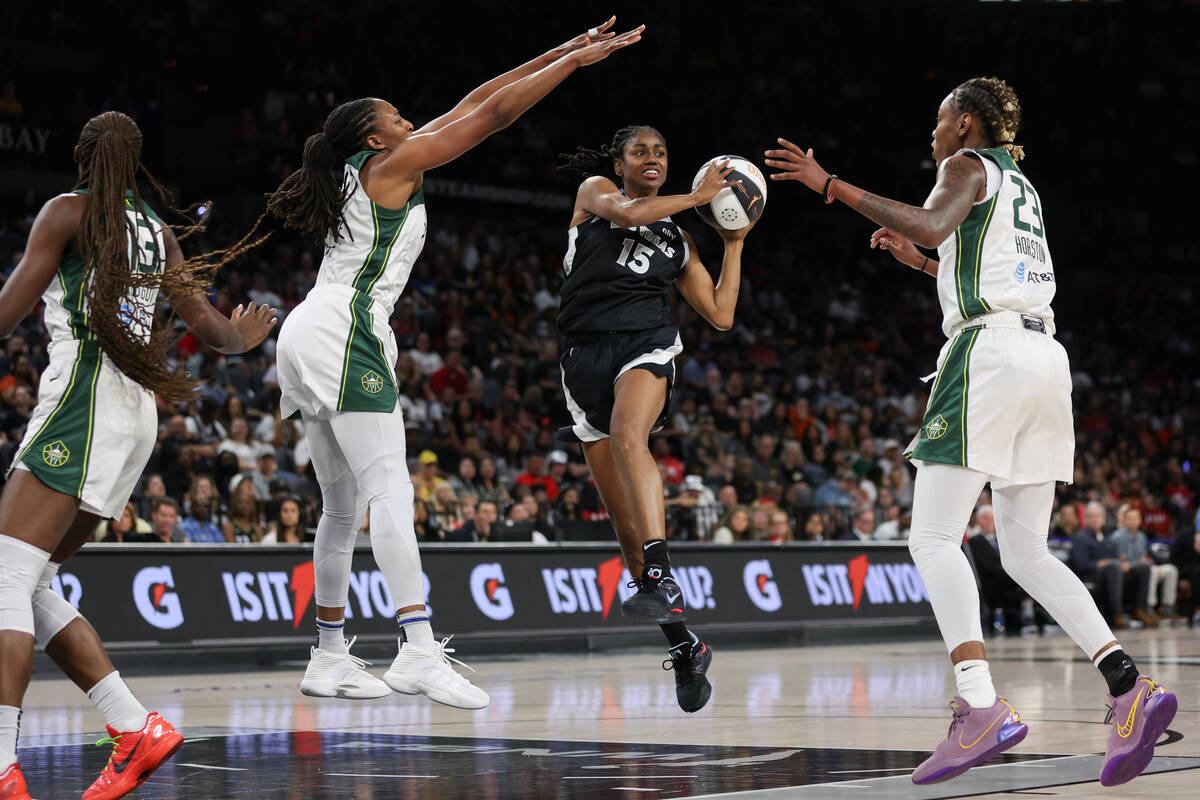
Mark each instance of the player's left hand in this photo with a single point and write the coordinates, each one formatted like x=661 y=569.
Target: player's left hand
x=736 y=235
x=796 y=165
x=591 y=35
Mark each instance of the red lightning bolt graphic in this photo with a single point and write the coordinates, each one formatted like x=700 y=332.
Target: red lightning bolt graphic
x=159 y=590
x=608 y=577
x=858 y=576
x=490 y=587
x=303 y=582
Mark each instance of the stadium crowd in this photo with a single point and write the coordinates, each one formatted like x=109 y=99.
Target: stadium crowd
x=789 y=427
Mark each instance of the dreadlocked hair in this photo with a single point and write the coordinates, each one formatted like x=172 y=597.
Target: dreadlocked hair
x=311 y=198
x=588 y=162
x=994 y=103
x=110 y=147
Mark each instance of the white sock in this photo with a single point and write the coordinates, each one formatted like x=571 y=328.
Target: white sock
x=330 y=636
x=120 y=709
x=975 y=683
x=10 y=726
x=415 y=629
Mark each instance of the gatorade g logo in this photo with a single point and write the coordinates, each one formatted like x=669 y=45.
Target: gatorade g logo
x=56 y=454
x=489 y=592
x=154 y=599
x=936 y=428
x=372 y=383
x=760 y=585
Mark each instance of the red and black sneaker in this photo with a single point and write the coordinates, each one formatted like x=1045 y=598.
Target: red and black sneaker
x=135 y=756
x=690 y=661
x=12 y=784
x=658 y=599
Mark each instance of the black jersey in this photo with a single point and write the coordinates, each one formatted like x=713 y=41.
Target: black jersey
x=619 y=279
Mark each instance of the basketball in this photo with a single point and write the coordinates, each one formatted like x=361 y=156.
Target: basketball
x=734 y=207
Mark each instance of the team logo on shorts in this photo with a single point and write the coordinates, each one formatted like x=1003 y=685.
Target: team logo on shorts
x=936 y=428
x=372 y=383
x=56 y=454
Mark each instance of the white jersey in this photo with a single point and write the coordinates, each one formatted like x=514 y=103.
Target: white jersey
x=997 y=259
x=66 y=314
x=378 y=246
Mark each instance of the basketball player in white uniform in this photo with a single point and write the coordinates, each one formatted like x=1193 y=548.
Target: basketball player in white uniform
x=360 y=190
x=1000 y=411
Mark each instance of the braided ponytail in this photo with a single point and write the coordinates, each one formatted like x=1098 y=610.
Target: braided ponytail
x=994 y=103
x=310 y=200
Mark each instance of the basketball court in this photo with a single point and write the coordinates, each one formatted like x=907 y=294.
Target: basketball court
x=804 y=722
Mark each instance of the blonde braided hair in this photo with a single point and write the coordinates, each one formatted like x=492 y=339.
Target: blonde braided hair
x=994 y=103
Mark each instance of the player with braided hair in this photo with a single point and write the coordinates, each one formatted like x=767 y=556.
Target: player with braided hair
x=618 y=357
x=360 y=191
x=999 y=412
x=98 y=257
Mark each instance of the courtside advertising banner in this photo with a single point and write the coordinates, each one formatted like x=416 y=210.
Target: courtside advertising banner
x=140 y=595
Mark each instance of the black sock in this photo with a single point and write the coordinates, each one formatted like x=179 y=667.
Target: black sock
x=1119 y=671
x=656 y=562
x=676 y=633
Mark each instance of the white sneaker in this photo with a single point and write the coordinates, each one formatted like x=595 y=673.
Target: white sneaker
x=340 y=675
x=429 y=672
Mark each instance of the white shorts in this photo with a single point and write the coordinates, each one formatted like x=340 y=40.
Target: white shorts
x=92 y=432
x=336 y=354
x=1001 y=404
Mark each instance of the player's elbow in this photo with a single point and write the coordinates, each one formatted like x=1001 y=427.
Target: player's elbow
x=721 y=322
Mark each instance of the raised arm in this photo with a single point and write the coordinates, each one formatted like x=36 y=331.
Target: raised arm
x=960 y=182
x=53 y=229
x=481 y=93
x=715 y=303
x=238 y=333
x=599 y=197
x=424 y=151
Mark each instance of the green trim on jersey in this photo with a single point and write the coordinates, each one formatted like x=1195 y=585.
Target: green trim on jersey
x=358 y=159
x=73 y=277
x=388 y=223
x=366 y=376
x=58 y=455
x=968 y=247
x=1001 y=157
x=943 y=436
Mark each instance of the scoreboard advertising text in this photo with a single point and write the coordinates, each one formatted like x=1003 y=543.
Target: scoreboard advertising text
x=141 y=595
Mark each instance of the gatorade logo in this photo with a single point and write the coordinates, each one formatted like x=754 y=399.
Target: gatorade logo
x=154 y=598
x=372 y=383
x=56 y=454
x=936 y=428
x=760 y=585
x=490 y=594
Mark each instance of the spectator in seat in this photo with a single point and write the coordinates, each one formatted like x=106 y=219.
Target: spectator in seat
x=198 y=526
x=734 y=527
x=779 y=527
x=129 y=528
x=285 y=528
x=429 y=479
x=862 y=525
x=814 y=528
x=451 y=376
x=999 y=591
x=242 y=524
x=478 y=529
x=1134 y=548
x=535 y=475
x=838 y=491
x=164 y=519
x=1117 y=583
x=1185 y=555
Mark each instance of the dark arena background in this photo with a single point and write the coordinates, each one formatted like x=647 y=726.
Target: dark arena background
x=829 y=678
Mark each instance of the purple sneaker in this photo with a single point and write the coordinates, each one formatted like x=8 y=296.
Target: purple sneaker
x=981 y=734
x=1139 y=717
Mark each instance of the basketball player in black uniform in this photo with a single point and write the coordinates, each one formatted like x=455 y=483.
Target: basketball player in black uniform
x=618 y=356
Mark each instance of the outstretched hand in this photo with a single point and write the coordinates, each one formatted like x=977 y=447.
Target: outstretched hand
x=796 y=165
x=601 y=49
x=253 y=324
x=738 y=234
x=714 y=181
x=591 y=36
x=902 y=249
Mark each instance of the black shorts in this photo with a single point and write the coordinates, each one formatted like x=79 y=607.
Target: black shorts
x=591 y=366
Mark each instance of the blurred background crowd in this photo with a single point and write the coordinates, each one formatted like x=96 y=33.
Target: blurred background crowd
x=792 y=425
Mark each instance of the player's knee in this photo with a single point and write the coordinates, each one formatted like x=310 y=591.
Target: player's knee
x=21 y=566
x=51 y=613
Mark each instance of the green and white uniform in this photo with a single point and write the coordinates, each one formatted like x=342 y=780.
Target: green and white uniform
x=94 y=428
x=1001 y=402
x=336 y=350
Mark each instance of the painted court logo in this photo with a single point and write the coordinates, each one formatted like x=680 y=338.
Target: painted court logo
x=936 y=428
x=372 y=383
x=56 y=454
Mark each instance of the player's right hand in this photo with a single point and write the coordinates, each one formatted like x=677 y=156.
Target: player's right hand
x=714 y=181
x=600 y=50
x=902 y=249
x=253 y=324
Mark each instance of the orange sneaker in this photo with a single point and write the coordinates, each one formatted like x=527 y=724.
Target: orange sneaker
x=12 y=785
x=135 y=756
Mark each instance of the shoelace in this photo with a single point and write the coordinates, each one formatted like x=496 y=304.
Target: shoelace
x=960 y=714
x=1112 y=710
x=355 y=660
x=442 y=651
x=685 y=654
x=115 y=741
